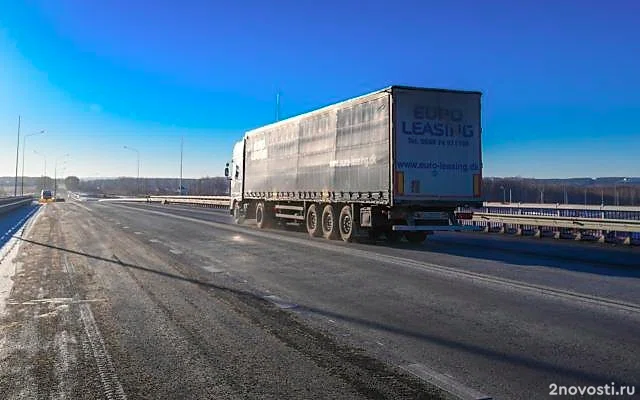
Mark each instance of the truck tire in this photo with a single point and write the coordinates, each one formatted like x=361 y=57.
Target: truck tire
x=415 y=237
x=345 y=224
x=312 y=220
x=329 y=223
x=238 y=218
x=262 y=217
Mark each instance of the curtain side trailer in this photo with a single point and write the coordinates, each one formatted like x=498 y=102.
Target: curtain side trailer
x=396 y=162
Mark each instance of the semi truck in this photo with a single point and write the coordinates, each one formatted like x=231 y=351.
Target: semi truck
x=401 y=161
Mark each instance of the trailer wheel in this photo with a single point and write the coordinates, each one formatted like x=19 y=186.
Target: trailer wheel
x=345 y=223
x=313 y=221
x=262 y=219
x=415 y=237
x=238 y=218
x=329 y=223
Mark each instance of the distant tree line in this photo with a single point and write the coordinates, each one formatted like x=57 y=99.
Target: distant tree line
x=607 y=191
x=124 y=186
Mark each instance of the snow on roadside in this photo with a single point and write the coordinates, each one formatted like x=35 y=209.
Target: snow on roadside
x=8 y=254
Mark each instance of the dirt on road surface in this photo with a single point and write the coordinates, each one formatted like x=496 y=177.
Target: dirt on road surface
x=95 y=312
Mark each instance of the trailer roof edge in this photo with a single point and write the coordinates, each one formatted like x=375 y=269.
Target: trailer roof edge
x=353 y=99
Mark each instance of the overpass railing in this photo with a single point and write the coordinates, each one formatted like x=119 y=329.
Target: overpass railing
x=574 y=221
x=11 y=203
x=580 y=222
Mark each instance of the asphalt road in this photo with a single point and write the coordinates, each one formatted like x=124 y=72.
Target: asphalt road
x=148 y=301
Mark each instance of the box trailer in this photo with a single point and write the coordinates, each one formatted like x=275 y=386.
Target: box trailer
x=398 y=161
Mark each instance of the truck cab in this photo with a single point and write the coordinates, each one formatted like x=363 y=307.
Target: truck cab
x=46 y=196
x=234 y=174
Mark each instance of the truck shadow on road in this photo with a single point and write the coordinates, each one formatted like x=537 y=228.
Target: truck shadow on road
x=545 y=367
x=580 y=257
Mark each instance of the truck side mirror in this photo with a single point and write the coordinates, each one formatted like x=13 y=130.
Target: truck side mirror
x=226 y=170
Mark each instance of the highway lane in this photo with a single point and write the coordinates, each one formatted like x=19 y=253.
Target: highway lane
x=490 y=336
x=100 y=311
x=601 y=270
x=504 y=340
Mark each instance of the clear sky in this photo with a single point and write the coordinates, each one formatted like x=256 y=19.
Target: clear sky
x=561 y=79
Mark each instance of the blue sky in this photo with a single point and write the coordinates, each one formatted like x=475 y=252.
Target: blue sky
x=560 y=79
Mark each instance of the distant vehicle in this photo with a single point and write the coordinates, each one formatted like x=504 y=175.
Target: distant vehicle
x=398 y=161
x=46 y=196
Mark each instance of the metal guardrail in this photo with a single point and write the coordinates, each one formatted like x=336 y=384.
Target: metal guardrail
x=602 y=223
x=616 y=225
x=203 y=201
x=558 y=206
x=598 y=221
x=11 y=203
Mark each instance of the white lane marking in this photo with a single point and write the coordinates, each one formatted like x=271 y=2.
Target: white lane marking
x=213 y=269
x=58 y=300
x=473 y=277
x=279 y=302
x=52 y=313
x=110 y=383
x=81 y=206
x=125 y=227
x=154 y=240
x=137 y=233
x=175 y=251
x=444 y=382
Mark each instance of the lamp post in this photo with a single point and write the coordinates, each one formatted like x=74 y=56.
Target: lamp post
x=585 y=196
x=138 y=176
x=55 y=175
x=615 y=189
x=44 y=176
x=24 y=146
x=15 y=182
x=181 y=157
x=504 y=194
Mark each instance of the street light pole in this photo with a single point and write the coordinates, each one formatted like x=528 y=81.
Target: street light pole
x=138 y=176
x=585 y=197
x=615 y=189
x=55 y=175
x=24 y=146
x=15 y=182
x=181 y=156
x=44 y=176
